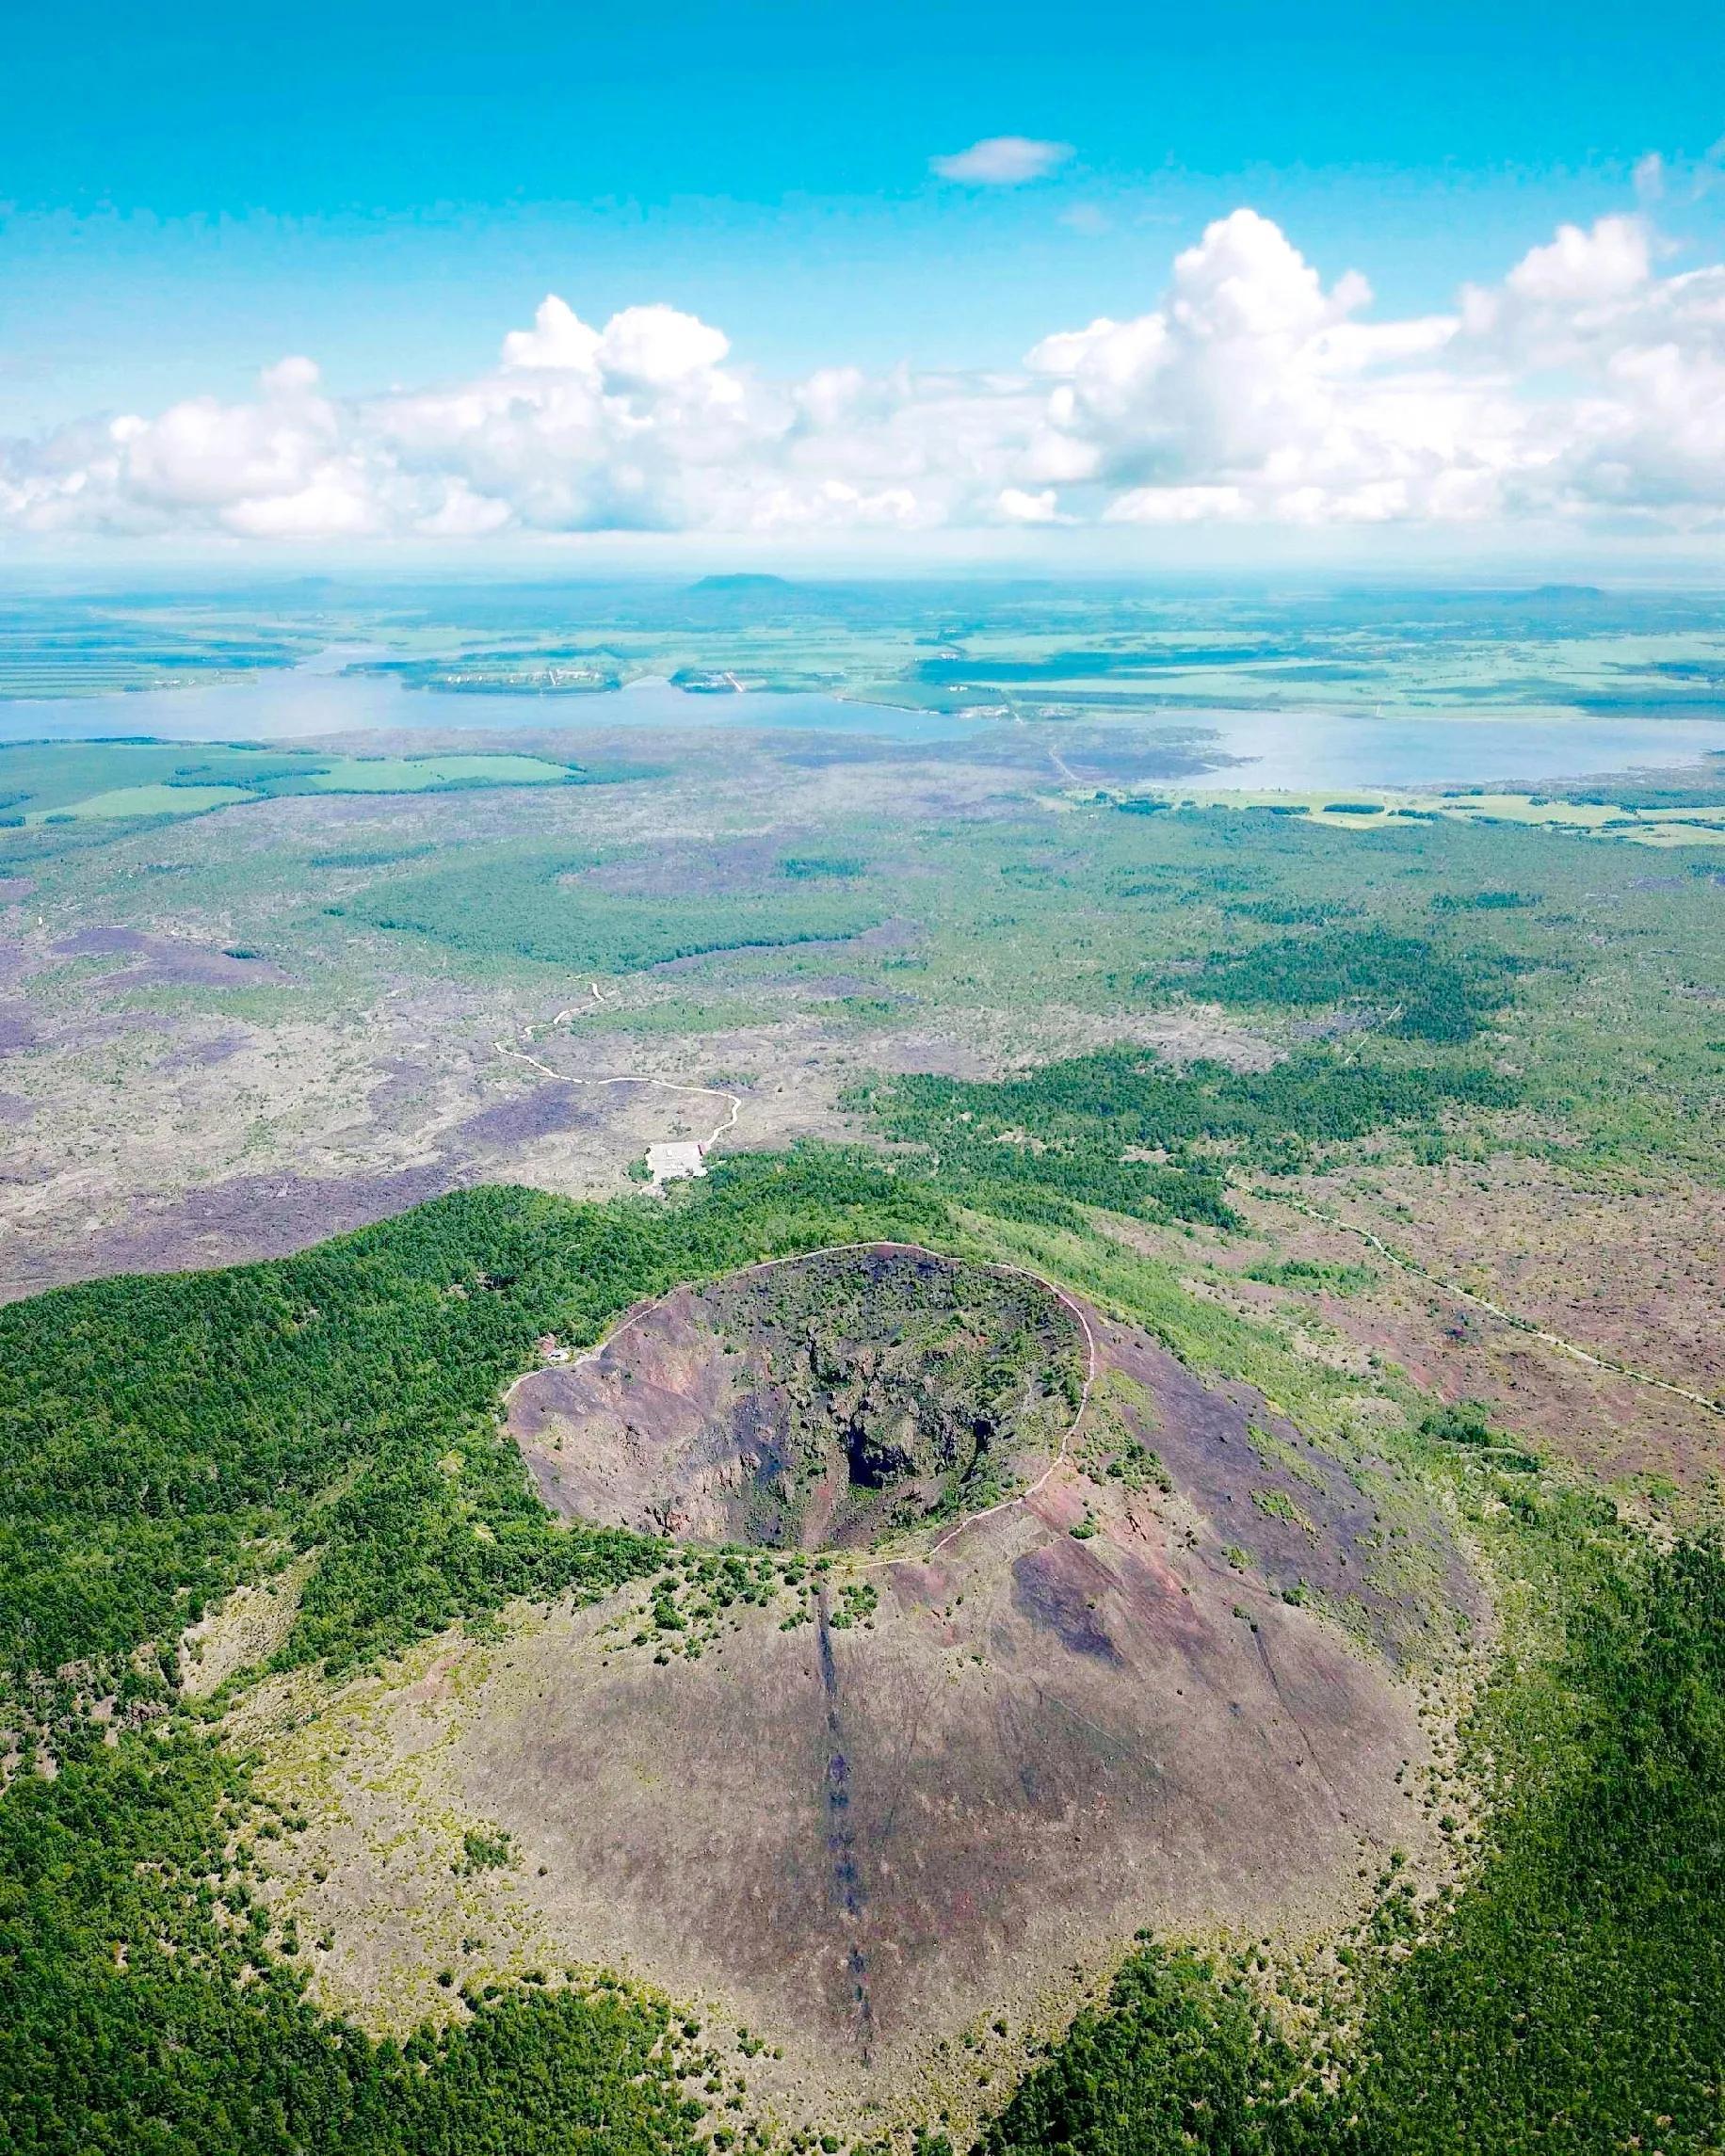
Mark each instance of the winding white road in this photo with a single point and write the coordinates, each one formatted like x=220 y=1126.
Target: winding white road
x=665 y=1085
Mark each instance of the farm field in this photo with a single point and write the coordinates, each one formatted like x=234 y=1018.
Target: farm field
x=1651 y=826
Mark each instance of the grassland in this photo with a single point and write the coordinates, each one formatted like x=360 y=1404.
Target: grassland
x=1034 y=652
x=548 y=906
x=419 y=774
x=1532 y=995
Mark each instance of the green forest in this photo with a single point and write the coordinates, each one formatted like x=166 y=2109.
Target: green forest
x=1061 y=1136
x=531 y=901
x=1423 y=989
x=162 y=1437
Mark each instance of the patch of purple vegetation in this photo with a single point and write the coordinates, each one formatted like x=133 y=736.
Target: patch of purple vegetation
x=536 y=1115
x=1295 y=1512
x=1050 y=1586
x=203 y=1055
x=167 y=962
x=242 y=1221
x=18 y=1028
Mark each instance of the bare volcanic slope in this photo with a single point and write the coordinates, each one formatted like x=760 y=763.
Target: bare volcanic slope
x=866 y=1802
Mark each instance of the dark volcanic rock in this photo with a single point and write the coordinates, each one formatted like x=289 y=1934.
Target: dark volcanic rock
x=539 y=1114
x=240 y=1221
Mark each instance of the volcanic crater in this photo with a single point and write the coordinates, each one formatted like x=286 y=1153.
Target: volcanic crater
x=819 y=1402
x=1047 y=1683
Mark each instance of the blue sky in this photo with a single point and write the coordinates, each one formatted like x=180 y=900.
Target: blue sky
x=370 y=182
x=192 y=192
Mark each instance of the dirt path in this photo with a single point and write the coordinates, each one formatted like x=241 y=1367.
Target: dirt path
x=1510 y=1317
x=665 y=1085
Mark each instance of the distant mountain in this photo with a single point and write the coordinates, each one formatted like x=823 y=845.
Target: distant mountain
x=743 y=583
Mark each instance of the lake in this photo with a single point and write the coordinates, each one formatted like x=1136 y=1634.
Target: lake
x=1298 y=751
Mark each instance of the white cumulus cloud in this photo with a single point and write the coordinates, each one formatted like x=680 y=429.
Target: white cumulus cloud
x=1586 y=383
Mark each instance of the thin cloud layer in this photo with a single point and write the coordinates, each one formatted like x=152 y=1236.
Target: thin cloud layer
x=1003 y=161
x=1584 y=386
